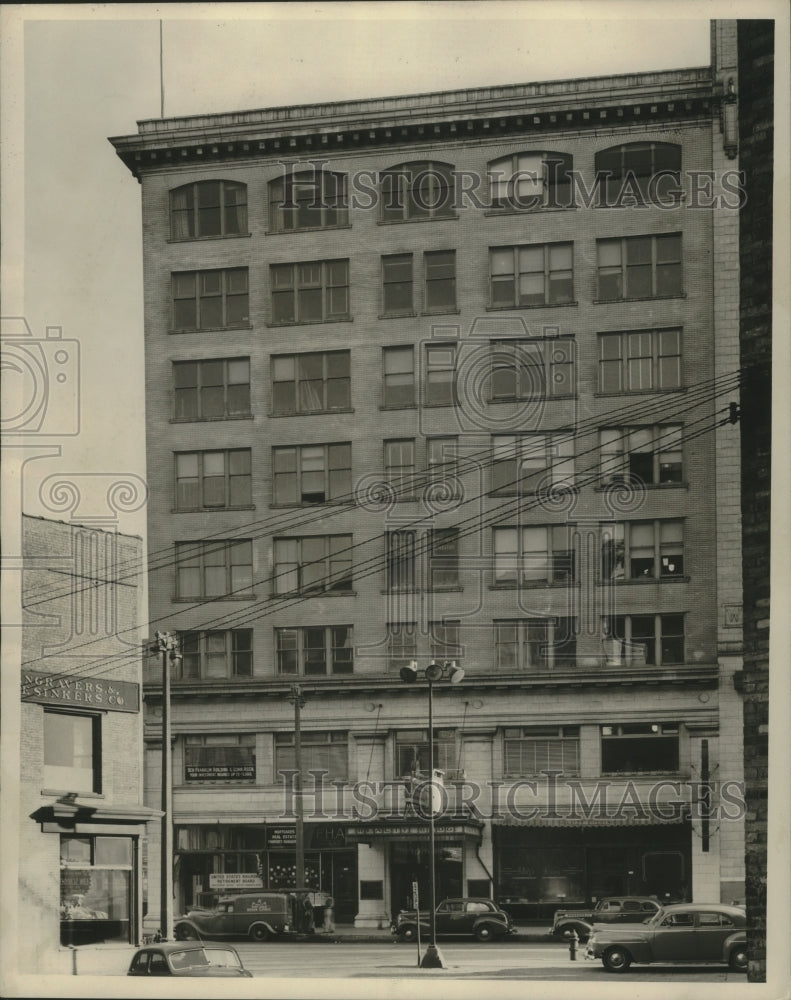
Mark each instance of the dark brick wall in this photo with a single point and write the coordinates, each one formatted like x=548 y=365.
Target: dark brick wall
x=756 y=69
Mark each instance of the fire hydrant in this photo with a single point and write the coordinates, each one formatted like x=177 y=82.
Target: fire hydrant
x=573 y=942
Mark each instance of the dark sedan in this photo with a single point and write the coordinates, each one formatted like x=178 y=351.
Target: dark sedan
x=187 y=959
x=469 y=917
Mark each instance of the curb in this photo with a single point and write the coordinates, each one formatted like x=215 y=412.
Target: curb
x=514 y=939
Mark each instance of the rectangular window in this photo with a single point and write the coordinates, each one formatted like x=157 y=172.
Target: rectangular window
x=399 y=376
x=213 y=479
x=639 y=267
x=443 y=549
x=309 y=474
x=96 y=889
x=397 y=293
x=639 y=360
x=418 y=190
x=308 y=200
x=635 y=550
x=634 y=640
x=440 y=274
x=535 y=643
x=444 y=640
x=222 y=568
x=524 y=369
x=315 y=650
x=318 y=382
x=639 y=748
x=530 y=750
x=72 y=752
x=211 y=390
x=400 y=560
x=439 y=387
x=412 y=753
x=401 y=644
x=534 y=555
x=210 y=300
x=325 y=755
x=531 y=463
x=442 y=455
x=313 y=564
x=216 y=654
x=221 y=757
x=649 y=455
x=537 y=275
x=399 y=466
x=311 y=292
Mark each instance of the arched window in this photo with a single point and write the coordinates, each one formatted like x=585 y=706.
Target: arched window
x=531 y=180
x=651 y=168
x=208 y=208
x=420 y=190
x=308 y=199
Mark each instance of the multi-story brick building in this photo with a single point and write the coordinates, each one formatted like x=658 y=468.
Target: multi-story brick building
x=82 y=822
x=448 y=375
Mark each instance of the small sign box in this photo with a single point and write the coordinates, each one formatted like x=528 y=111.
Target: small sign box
x=237 y=880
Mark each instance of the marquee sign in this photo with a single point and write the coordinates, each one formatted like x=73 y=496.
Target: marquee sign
x=81 y=691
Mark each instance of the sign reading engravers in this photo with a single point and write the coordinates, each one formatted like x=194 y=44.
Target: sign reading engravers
x=84 y=691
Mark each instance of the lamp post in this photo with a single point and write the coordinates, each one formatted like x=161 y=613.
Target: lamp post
x=433 y=672
x=167 y=647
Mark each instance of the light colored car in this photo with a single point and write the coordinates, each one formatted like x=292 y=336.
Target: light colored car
x=188 y=959
x=698 y=933
x=608 y=910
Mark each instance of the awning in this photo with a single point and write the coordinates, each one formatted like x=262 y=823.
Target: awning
x=72 y=814
x=415 y=831
x=579 y=820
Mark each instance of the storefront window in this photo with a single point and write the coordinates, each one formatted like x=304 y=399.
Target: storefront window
x=95 y=889
x=71 y=752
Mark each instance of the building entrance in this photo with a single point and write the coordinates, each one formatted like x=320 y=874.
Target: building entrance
x=410 y=863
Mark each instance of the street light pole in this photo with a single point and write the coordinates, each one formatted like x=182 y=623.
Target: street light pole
x=299 y=875
x=167 y=646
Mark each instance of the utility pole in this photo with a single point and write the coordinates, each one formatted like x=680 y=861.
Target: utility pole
x=167 y=647
x=298 y=699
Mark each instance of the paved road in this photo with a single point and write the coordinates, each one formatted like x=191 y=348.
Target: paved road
x=464 y=961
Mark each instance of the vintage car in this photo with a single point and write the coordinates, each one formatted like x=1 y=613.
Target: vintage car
x=189 y=959
x=608 y=910
x=687 y=932
x=469 y=917
x=257 y=915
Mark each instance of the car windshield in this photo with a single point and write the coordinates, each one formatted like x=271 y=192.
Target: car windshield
x=657 y=917
x=190 y=959
x=223 y=957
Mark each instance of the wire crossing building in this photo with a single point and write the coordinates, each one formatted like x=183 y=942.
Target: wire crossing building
x=450 y=376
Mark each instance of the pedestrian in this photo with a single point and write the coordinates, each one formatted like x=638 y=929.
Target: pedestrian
x=308 y=926
x=329 y=915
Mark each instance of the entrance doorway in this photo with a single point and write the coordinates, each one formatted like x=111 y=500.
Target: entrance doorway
x=410 y=863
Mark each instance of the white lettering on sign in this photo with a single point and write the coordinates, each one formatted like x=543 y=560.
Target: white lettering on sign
x=235 y=880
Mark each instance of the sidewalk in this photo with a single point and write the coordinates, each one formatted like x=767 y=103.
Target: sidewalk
x=349 y=934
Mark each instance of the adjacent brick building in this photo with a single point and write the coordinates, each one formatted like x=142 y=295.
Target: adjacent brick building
x=450 y=375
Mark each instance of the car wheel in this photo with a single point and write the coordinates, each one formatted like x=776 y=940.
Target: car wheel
x=259 y=932
x=183 y=932
x=737 y=959
x=484 y=933
x=407 y=933
x=616 y=960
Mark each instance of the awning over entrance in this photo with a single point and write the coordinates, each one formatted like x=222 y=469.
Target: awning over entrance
x=596 y=821
x=416 y=830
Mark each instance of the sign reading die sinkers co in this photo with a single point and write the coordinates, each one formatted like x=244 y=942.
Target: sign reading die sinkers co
x=85 y=691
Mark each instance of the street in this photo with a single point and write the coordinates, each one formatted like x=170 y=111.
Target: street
x=464 y=961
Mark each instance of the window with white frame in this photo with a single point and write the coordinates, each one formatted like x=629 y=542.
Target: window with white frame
x=207 y=480
x=444 y=641
x=532 y=555
x=400 y=560
x=219 y=757
x=529 y=750
x=649 y=455
x=397 y=287
x=308 y=199
x=401 y=644
x=315 y=291
x=529 y=369
x=211 y=390
x=637 y=550
x=398 y=376
x=527 y=463
x=442 y=455
x=412 y=753
x=640 y=748
x=72 y=751
x=535 y=643
x=439 y=381
x=314 y=650
x=217 y=653
x=529 y=180
x=210 y=300
x=221 y=568
x=443 y=556
x=640 y=267
x=308 y=474
x=418 y=190
x=317 y=382
x=653 y=167
x=654 y=639
x=313 y=564
x=533 y=275
x=325 y=754
x=440 y=278
x=639 y=360
x=208 y=208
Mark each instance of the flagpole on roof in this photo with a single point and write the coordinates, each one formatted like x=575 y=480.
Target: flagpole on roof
x=161 y=75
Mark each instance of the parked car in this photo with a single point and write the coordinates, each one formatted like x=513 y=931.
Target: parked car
x=469 y=917
x=187 y=959
x=686 y=932
x=257 y=915
x=608 y=910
